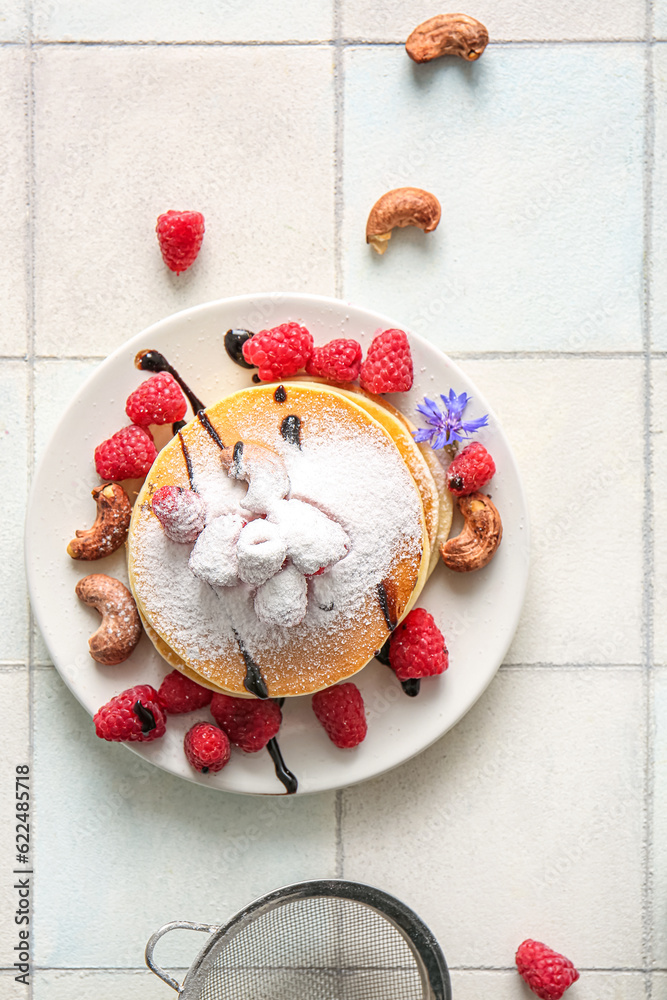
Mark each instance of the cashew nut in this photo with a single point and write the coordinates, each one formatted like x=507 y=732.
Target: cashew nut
x=401 y=207
x=111 y=526
x=481 y=535
x=120 y=630
x=447 y=35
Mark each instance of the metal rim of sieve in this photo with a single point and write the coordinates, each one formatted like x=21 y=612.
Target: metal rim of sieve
x=425 y=949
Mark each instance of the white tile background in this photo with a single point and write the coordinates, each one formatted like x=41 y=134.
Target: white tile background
x=544 y=812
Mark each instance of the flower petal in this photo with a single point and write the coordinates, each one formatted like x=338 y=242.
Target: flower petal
x=422 y=435
x=441 y=440
x=457 y=404
x=470 y=426
x=429 y=409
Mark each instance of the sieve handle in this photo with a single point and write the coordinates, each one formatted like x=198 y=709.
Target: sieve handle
x=175 y=925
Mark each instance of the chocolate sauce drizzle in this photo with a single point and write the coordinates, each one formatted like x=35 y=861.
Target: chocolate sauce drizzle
x=291 y=429
x=145 y=716
x=282 y=771
x=253 y=682
x=188 y=461
x=384 y=604
x=177 y=426
x=234 y=341
x=153 y=361
x=383 y=654
x=237 y=456
x=280 y=395
x=209 y=428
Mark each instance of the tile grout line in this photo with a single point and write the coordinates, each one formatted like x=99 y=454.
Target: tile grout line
x=584 y=665
x=30 y=357
x=647 y=594
x=510 y=355
x=340 y=848
x=134 y=969
x=507 y=43
x=339 y=136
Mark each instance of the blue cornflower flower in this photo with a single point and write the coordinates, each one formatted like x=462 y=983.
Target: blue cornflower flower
x=446 y=424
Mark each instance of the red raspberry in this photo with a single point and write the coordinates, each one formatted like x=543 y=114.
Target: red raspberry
x=417 y=647
x=249 y=722
x=181 y=512
x=206 y=747
x=470 y=470
x=280 y=352
x=178 y=694
x=547 y=973
x=340 y=709
x=339 y=360
x=133 y=716
x=129 y=454
x=388 y=364
x=179 y=235
x=158 y=400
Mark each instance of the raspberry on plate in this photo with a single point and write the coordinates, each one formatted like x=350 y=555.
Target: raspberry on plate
x=181 y=512
x=388 y=364
x=206 y=747
x=417 y=647
x=133 y=716
x=471 y=469
x=158 y=400
x=340 y=709
x=547 y=973
x=339 y=360
x=178 y=694
x=128 y=454
x=280 y=352
x=249 y=722
x=180 y=235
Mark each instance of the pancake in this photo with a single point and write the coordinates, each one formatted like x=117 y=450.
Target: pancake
x=439 y=481
x=174 y=660
x=343 y=468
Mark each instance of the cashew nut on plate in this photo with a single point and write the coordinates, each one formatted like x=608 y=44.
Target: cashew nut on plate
x=111 y=526
x=481 y=535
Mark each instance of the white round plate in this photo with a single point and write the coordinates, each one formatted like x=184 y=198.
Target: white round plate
x=477 y=612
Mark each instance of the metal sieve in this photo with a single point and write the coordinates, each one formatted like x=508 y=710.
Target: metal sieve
x=324 y=940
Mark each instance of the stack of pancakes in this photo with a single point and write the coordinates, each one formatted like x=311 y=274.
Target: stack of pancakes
x=350 y=455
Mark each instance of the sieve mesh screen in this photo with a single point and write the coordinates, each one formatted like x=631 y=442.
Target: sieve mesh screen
x=319 y=948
